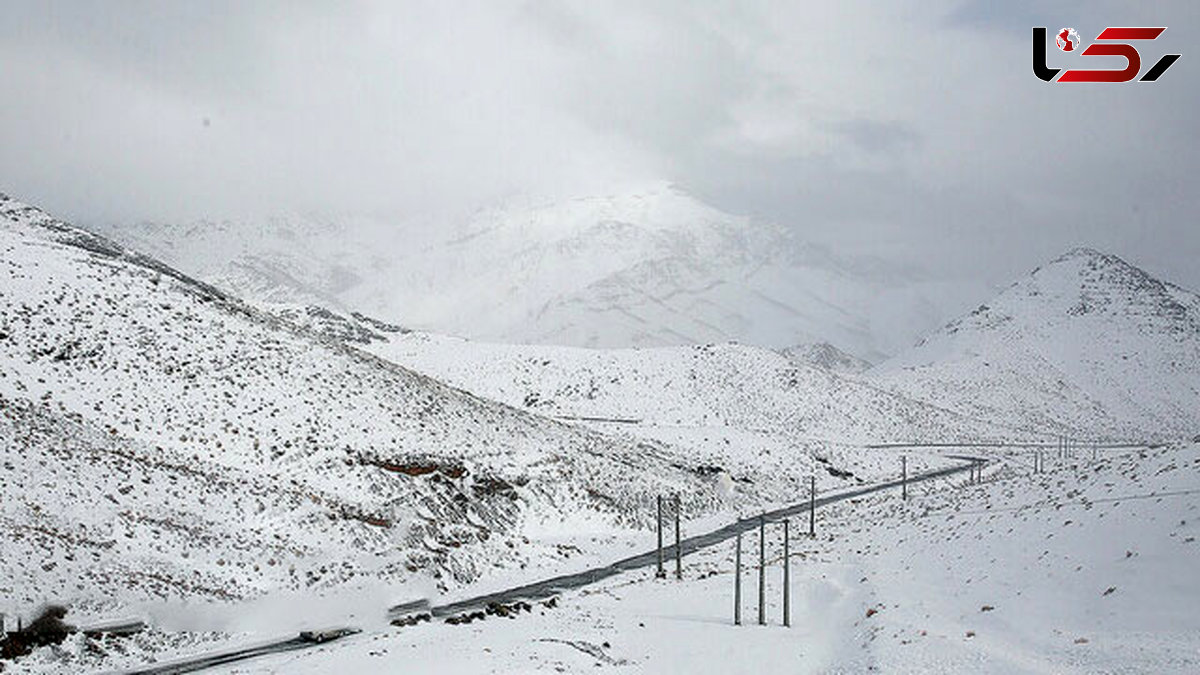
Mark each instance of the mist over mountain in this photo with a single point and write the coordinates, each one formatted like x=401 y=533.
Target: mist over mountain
x=647 y=267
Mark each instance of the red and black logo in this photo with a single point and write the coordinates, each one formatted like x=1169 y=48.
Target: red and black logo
x=1110 y=42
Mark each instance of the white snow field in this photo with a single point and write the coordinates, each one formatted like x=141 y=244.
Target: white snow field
x=234 y=475
x=164 y=441
x=1087 y=567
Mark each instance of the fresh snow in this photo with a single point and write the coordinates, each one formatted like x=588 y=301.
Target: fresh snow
x=140 y=405
x=1085 y=568
x=1087 y=342
x=237 y=471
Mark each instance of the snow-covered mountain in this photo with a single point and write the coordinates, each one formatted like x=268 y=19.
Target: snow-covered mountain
x=751 y=412
x=647 y=267
x=159 y=438
x=719 y=389
x=1088 y=342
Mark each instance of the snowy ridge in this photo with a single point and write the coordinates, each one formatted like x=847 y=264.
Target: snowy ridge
x=735 y=410
x=111 y=363
x=724 y=385
x=1087 y=342
x=826 y=356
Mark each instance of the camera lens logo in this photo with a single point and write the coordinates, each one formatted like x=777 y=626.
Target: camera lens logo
x=1068 y=40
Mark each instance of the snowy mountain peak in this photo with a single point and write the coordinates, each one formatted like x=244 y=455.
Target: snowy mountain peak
x=1082 y=282
x=1098 y=266
x=1114 y=345
x=1085 y=252
x=642 y=267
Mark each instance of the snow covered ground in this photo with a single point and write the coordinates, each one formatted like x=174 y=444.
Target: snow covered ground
x=151 y=423
x=1085 y=568
x=233 y=475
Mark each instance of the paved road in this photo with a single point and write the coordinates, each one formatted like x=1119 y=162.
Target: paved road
x=1079 y=445
x=191 y=665
x=549 y=587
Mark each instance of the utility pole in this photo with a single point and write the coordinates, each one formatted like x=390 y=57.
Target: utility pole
x=904 y=477
x=678 y=550
x=787 y=568
x=737 y=582
x=812 y=506
x=660 y=574
x=762 y=570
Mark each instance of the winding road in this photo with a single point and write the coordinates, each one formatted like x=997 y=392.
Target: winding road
x=546 y=588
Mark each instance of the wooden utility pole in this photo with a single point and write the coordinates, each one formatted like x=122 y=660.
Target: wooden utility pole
x=787 y=567
x=660 y=574
x=737 y=582
x=812 y=506
x=762 y=570
x=678 y=550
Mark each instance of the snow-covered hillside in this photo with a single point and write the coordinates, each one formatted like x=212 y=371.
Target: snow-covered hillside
x=160 y=438
x=646 y=267
x=747 y=411
x=723 y=386
x=1085 y=568
x=826 y=356
x=1086 y=342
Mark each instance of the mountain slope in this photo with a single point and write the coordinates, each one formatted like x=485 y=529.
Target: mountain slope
x=725 y=385
x=648 y=267
x=1088 y=343
x=826 y=356
x=744 y=412
x=140 y=404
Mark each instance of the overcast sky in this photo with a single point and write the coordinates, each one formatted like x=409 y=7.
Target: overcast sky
x=914 y=130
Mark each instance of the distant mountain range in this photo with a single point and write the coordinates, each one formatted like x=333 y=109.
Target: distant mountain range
x=649 y=267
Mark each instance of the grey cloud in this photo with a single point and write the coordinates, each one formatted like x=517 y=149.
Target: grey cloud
x=909 y=130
